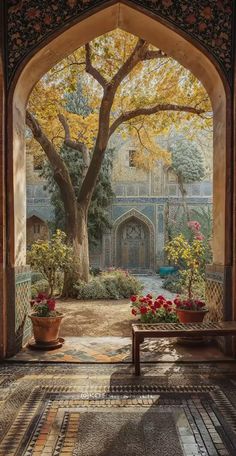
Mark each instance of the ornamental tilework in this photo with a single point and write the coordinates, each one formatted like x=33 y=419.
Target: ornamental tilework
x=23 y=296
x=209 y=22
x=214 y=298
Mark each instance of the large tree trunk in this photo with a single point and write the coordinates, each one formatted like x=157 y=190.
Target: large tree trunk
x=78 y=235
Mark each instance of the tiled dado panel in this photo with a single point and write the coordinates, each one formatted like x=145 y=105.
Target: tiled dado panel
x=22 y=299
x=209 y=22
x=217 y=285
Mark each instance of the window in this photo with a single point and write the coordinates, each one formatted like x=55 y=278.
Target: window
x=36 y=228
x=131 y=158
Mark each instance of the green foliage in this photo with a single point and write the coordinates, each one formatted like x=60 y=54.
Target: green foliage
x=116 y=284
x=98 y=216
x=191 y=257
x=94 y=271
x=153 y=310
x=94 y=289
x=173 y=283
x=187 y=160
x=41 y=286
x=50 y=257
x=36 y=277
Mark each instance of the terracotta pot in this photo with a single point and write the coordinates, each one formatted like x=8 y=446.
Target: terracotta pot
x=191 y=316
x=46 y=329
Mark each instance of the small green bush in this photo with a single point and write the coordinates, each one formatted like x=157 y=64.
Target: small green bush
x=94 y=271
x=173 y=283
x=36 y=276
x=115 y=284
x=94 y=289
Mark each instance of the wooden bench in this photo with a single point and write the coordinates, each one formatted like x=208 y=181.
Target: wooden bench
x=159 y=330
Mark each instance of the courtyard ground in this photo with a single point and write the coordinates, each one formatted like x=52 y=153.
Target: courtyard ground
x=100 y=332
x=105 y=318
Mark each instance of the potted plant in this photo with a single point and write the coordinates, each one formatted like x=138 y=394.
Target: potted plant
x=190 y=310
x=153 y=310
x=191 y=255
x=46 y=321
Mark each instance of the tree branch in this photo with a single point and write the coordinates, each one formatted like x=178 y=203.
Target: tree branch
x=76 y=145
x=59 y=169
x=90 y=69
x=136 y=56
x=126 y=116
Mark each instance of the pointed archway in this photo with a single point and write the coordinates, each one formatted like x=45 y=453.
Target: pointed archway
x=186 y=51
x=134 y=242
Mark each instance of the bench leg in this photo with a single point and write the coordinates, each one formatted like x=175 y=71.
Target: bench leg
x=137 y=355
x=133 y=337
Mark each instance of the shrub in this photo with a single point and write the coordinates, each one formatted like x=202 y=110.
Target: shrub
x=94 y=271
x=94 y=289
x=115 y=284
x=36 y=276
x=173 y=283
x=50 y=257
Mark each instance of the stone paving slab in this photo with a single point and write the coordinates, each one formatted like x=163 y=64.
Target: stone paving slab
x=118 y=350
x=106 y=411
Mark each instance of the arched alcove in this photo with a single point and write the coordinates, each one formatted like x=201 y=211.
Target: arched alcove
x=133 y=242
x=171 y=40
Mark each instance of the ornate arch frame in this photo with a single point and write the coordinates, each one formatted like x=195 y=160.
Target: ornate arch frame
x=178 y=38
x=134 y=213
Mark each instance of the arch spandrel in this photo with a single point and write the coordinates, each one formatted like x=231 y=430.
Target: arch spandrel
x=32 y=23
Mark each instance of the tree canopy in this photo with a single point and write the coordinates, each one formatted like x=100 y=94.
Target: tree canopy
x=130 y=88
x=153 y=95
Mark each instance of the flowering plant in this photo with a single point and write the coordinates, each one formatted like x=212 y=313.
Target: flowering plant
x=44 y=306
x=189 y=304
x=153 y=310
x=191 y=254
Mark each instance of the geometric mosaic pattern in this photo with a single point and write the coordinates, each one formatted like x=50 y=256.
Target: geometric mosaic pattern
x=215 y=298
x=54 y=410
x=23 y=296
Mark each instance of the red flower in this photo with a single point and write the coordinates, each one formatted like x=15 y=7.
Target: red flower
x=133 y=298
x=143 y=310
x=149 y=296
x=134 y=311
x=161 y=298
x=169 y=303
x=51 y=304
x=42 y=296
x=157 y=304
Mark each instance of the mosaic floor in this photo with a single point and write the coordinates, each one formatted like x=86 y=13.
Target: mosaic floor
x=118 y=350
x=104 y=410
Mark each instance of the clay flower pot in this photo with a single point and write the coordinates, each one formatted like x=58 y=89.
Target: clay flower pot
x=46 y=329
x=191 y=316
